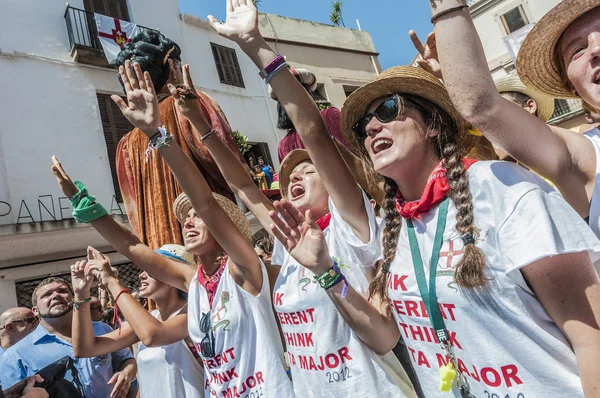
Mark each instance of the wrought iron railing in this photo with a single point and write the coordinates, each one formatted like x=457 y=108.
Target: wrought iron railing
x=82 y=30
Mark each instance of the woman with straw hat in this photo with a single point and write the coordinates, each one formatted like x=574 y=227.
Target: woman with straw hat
x=230 y=317
x=168 y=363
x=558 y=59
x=483 y=258
x=326 y=357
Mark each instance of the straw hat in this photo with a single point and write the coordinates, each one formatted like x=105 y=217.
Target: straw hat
x=512 y=83
x=364 y=174
x=182 y=206
x=535 y=63
x=176 y=252
x=399 y=80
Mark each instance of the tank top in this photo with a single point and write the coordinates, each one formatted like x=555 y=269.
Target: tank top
x=594 y=218
x=249 y=361
x=169 y=371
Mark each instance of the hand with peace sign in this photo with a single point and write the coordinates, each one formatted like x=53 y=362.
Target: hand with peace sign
x=241 y=24
x=428 y=55
x=141 y=108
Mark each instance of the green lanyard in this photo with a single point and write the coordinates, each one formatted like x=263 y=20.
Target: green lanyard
x=430 y=295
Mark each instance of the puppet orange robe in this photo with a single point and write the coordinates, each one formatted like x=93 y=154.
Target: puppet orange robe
x=148 y=187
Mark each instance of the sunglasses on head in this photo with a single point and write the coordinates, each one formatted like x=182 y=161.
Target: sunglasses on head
x=387 y=111
x=207 y=345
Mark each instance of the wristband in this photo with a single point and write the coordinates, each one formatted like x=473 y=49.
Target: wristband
x=270 y=68
x=77 y=304
x=161 y=139
x=85 y=208
x=448 y=11
x=276 y=71
x=332 y=277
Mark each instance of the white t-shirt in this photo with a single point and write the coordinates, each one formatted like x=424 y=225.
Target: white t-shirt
x=169 y=371
x=507 y=345
x=594 y=218
x=326 y=357
x=249 y=361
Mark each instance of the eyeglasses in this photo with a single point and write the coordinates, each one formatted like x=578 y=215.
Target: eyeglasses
x=207 y=345
x=387 y=111
x=29 y=321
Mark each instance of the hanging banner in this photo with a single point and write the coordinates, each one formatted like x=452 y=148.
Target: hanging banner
x=113 y=34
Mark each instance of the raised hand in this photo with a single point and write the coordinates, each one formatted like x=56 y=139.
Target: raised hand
x=186 y=98
x=241 y=24
x=98 y=266
x=428 y=55
x=62 y=178
x=301 y=236
x=141 y=108
x=81 y=281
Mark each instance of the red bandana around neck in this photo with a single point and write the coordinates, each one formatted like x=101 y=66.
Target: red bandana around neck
x=435 y=191
x=324 y=221
x=211 y=284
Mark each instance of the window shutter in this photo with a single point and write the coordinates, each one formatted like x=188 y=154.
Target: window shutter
x=227 y=65
x=115 y=126
x=112 y=8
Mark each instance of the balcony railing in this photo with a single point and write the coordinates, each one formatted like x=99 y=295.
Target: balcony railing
x=82 y=30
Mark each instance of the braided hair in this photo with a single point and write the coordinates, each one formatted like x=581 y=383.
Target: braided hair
x=152 y=50
x=451 y=145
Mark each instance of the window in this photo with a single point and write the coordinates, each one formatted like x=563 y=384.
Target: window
x=115 y=126
x=349 y=90
x=258 y=150
x=112 y=8
x=514 y=20
x=227 y=64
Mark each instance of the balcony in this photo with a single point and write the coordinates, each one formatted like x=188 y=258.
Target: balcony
x=83 y=37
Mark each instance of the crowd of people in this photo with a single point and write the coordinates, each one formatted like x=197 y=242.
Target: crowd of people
x=403 y=260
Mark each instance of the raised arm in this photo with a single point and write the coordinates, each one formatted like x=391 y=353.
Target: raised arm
x=558 y=157
x=305 y=241
x=241 y=26
x=127 y=243
x=142 y=111
x=234 y=172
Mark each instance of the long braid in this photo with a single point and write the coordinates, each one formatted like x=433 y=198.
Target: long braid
x=391 y=234
x=470 y=270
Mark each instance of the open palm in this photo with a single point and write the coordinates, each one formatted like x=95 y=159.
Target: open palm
x=241 y=23
x=141 y=108
x=301 y=236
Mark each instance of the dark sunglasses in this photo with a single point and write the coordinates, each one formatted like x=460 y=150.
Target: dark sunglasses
x=28 y=321
x=387 y=111
x=207 y=345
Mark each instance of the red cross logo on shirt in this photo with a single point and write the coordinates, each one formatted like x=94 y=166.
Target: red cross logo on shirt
x=450 y=254
x=118 y=36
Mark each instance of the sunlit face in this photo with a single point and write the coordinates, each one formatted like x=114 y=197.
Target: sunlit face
x=306 y=190
x=397 y=145
x=150 y=287
x=53 y=300
x=580 y=52
x=19 y=324
x=196 y=236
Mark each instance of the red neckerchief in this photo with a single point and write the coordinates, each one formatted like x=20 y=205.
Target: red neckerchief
x=435 y=191
x=212 y=283
x=324 y=221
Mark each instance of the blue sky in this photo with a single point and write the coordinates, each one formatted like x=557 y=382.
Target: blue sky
x=388 y=21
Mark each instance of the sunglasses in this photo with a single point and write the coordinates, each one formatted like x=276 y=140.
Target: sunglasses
x=387 y=111
x=29 y=321
x=207 y=345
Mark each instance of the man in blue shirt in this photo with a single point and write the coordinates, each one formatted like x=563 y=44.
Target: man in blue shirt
x=15 y=324
x=52 y=302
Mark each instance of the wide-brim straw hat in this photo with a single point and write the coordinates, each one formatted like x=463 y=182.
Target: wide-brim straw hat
x=512 y=83
x=182 y=206
x=536 y=62
x=363 y=172
x=402 y=80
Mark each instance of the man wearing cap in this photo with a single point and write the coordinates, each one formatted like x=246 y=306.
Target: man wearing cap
x=558 y=58
x=16 y=323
